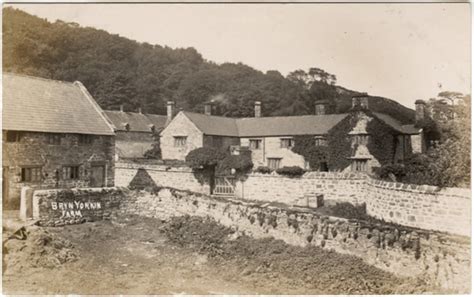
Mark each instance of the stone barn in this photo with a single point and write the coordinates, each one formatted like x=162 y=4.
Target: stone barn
x=54 y=136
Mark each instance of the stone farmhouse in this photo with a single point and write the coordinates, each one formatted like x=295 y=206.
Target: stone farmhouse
x=270 y=139
x=135 y=132
x=54 y=136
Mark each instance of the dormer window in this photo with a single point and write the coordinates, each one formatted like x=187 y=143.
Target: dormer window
x=361 y=139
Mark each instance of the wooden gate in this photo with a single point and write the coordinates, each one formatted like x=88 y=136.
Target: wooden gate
x=224 y=186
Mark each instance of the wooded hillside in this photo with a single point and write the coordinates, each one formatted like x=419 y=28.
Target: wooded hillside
x=118 y=70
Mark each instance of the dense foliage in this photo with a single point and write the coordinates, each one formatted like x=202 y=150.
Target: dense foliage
x=155 y=151
x=240 y=163
x=263 y=169
x=316 y=155
x=447 y=163
x=339 y=143
x=291 y=171
x=204 y=158
x=118 y=71
x=382 y=140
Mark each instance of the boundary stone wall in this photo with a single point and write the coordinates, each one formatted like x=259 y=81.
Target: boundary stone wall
x=442 y=259
x=419 y=206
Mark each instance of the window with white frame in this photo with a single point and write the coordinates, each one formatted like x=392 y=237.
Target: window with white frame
x=180 y=141
x=287 y=142
x=255 y=144
x=273 y=163
x=361 y=139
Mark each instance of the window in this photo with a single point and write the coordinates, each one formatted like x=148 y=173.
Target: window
x=274 y=163
x=359 y=165
x=255 y=144
x=13 y=136
x=320 y=141
x=70 y=172
x=85 y=139
x=287 y=142
x=54 y=139
x=361 y=139
x=180 y=141
x=31 y=174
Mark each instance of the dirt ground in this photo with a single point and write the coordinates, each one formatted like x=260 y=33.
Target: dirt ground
x=185 y=256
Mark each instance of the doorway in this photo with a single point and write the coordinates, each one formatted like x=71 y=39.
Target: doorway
x=97 y=176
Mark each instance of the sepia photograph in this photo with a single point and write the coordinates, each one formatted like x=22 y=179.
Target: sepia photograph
x=236 y=148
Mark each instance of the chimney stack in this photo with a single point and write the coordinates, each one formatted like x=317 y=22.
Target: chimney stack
x=361 y=101
x=121 y=107
x=140 y=110
x=170 y=110
x=258 y=109
x=320 y=107
x=420 y=110
x=208 y=108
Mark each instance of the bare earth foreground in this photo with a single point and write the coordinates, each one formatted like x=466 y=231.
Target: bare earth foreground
x=188 y=255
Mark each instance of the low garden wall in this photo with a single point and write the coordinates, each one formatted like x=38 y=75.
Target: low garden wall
x=425 y=207
x=443 y=259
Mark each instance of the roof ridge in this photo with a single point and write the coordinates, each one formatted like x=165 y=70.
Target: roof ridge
x=37 y=77
x=271 y=117
x=136 y=113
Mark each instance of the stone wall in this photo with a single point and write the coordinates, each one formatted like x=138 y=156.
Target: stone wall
x=33 y=149
x=70 y=206
x=444 y=260
x=425 y=207
x=336 y=187
x=132 y=144
x=180 y=126
x=163 y=175
x=271 y=148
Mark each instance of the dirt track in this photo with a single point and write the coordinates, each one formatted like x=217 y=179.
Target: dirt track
x=187 y=256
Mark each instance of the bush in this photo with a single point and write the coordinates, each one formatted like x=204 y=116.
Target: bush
x=292 y=171
x=263 y=169
x=241 y=164
x=204 y=157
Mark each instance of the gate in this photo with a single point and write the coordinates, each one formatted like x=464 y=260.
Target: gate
x=224 y=186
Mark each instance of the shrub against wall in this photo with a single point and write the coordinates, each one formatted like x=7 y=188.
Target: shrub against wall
x=317 y=156
x=339 y=144
x=291 y=171
x=382 y=140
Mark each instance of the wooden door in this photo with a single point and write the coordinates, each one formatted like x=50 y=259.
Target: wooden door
x=97 y=176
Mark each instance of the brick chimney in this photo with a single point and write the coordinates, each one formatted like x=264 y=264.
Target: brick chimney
x=140 y=110
x=320 y=107
x=170 y=110
x=208 y=108
x=258 y=109
x=121 y=107
x=361 y=101
x=420 y=110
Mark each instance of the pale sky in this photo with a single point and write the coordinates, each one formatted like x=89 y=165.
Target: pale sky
x=400 y=51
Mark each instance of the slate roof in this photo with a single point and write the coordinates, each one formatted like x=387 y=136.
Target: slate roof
x=265 y=126
x=43 y=105
x=395 y=124
x=138 y=122
x=214 y=125
x=289 y=125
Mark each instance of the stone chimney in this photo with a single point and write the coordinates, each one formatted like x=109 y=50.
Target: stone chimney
x=170 y=110
x=140 y=110
x=258 y=109
x=320 y=107
x=121 y=107
x=361 y=101
x=208 y=108
x=420 y=110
